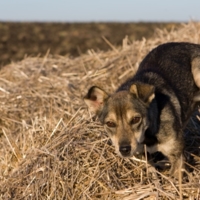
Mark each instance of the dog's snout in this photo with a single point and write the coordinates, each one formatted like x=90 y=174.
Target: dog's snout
x=125 y=150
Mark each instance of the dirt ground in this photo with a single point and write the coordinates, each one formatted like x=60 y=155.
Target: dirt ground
x=17 y=40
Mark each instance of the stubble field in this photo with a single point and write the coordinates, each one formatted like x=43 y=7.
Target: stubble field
x=18 y=40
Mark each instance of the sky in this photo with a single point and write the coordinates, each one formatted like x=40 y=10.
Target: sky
x=100 y=10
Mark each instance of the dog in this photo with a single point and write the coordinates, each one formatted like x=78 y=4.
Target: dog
x=152 y=107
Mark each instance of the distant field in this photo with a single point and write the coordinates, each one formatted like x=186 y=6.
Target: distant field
x=20 y=39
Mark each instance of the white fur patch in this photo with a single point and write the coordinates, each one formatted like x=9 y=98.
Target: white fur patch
x=165 y=148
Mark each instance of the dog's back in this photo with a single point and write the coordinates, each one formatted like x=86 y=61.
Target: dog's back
x=168 y=68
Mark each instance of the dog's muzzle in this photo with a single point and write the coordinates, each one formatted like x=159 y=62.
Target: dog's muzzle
x=126 y=150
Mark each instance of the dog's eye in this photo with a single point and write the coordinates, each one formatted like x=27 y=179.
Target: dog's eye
x=135 y=120
x=111 y=124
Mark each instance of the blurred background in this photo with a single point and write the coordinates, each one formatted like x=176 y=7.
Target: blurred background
x=66 y=27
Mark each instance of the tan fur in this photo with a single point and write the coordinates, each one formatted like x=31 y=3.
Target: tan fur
x=196 y=70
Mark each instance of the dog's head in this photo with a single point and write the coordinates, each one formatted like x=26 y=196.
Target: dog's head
x=124 y=115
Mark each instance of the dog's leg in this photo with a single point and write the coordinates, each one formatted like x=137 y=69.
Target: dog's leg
x=177 y=163
x=196 y=76
x=173 y=150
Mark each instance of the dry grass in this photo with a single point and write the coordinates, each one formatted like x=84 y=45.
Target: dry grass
x=50 y=148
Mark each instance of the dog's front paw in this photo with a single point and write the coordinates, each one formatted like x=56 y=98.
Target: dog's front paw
x=177 y=166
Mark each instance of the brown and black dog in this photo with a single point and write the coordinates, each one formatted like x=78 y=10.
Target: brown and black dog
x=153 y=106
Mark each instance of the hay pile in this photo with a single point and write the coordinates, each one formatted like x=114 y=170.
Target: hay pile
x=50 y=148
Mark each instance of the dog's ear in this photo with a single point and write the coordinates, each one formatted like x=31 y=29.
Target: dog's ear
x=143 y=91
x=95 y=99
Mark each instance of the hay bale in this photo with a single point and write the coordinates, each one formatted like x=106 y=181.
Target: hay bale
x=50 y=148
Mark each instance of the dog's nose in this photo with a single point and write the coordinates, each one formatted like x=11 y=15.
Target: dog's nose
x=125 y=150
